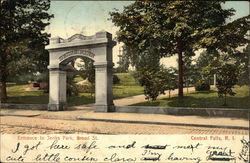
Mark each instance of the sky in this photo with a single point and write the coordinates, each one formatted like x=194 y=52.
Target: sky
x=89 y=17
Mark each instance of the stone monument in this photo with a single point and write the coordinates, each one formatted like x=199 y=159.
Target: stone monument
x=98 y=48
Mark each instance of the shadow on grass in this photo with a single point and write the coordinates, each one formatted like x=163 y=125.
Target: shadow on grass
x=42 y=99
x=148 y=103
x=209 y=102
x=204 y=92
x=80 y=100
x=200 y=102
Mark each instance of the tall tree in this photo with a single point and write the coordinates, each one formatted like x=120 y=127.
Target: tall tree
x=123 y=60
x=22 y=38
x=147 y=68
x=227 y=75
x=178 y=27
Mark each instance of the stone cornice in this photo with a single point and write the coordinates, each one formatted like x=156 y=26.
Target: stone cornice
x=101 y=37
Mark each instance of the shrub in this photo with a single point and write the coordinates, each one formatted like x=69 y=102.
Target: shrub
x=227 y=77
x=72 y=89
x=90 y=88
x=202 y=85
x=116 y=80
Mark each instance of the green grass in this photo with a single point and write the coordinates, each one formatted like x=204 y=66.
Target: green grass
x=81 y=99
x=208 y=99
x=17 y=94
x=126 y=91
x=126 y=79
x=78 y=79
x=127 y=87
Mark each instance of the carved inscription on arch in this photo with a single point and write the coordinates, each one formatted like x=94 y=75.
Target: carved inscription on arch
x=77 y=52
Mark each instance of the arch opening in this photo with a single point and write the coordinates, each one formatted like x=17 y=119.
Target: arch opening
x=80 y=79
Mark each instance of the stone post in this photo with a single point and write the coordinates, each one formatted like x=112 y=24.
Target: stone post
x=57 y=89
x=103 y=87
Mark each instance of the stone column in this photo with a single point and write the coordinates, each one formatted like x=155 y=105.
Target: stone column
x=57 y=90
x=103 y=87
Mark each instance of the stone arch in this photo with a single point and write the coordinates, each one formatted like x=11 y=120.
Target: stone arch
x=75 y=54
x=98 y=48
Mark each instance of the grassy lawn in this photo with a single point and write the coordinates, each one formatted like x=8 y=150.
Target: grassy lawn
x=127 y=87
x=207 y=99
x=17 y=94
x=78 y=79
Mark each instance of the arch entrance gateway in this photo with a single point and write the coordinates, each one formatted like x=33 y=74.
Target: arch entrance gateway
x=98 y=48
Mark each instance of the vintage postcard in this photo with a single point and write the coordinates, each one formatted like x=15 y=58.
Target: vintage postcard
x=124 y=81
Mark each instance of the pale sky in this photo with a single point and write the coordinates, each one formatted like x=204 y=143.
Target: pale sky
x=89 y=17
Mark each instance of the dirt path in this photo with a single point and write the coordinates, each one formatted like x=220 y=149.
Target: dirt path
x=141 y=98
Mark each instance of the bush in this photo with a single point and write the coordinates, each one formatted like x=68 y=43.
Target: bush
x=86 y=88
x=116 y=80
x=42 y=77
x=72 y=89
x=202 y=85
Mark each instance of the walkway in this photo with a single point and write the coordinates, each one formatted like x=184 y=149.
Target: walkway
x=140 y=98
x=88 y=121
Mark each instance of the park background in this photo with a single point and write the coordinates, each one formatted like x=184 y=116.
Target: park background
x=89 y=17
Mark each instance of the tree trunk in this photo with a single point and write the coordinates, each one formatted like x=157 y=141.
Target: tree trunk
x=3 y=77
x=180 y=69
x=225 y=99
x=169 y=93
x=3 y=87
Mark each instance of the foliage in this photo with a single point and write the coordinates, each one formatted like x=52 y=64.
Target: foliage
x=206 y=99
x=151 y=82
x=202 y=85
x=178 y=27
x=86 y=88
x=228 y=68
x=157 y=81
x=42 y=77
x=128 y=87
x=209 y=61
x=191 y=71
x=205 y=64
x=149 y=76
x=242 y=60
x=87 y=70
x=116 y=79
x=171 y=79
x=227 y=76
x=22 y=39
x=124 y=60
x=128 y=79
x=71 y=87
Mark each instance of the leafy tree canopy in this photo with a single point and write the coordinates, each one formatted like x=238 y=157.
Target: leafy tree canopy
x=179 y=27
x=22 y=38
